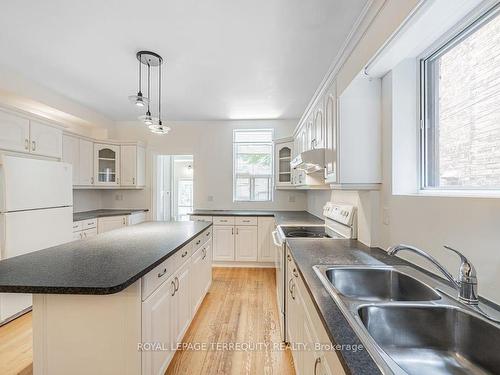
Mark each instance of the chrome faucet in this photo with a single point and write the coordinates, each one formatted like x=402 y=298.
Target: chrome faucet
x=466 y=285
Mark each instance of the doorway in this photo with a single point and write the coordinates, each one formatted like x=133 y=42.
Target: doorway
x=174 y=184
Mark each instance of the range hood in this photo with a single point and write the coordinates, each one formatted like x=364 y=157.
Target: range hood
x=310 y=161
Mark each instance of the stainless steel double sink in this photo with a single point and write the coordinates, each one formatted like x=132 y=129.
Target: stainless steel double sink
x=410 y=322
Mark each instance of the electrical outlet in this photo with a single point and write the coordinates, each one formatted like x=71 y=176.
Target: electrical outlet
x=210 y=198
x=291 y=199
x=386 y=216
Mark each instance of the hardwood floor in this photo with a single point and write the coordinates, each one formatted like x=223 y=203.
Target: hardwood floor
x=240 y=308
x=16 y=347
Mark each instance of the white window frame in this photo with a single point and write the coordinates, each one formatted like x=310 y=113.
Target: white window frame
x=253 y=177
x=441 y=47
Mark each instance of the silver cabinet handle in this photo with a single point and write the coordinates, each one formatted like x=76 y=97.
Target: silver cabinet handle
x=133 y=180
x=173 y=285
x=176 y=284
x=295 y=273
x=26 y=144
x=184 y=254
x=162 y=273
x=223 y=221
x=92 y=180
x=237 y=231
x=204 y=252
x=33 y=145
x=232 y=231
x=289 y=257
x=198 y=242
x=208 y=234
x=246 y=221
x=81 y=235
x=316 y=363
x=124 y=221
x=85 y=234
x=292 y=291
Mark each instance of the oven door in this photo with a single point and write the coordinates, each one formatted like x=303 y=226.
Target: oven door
x=279 y=261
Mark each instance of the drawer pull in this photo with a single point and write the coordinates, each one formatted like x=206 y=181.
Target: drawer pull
x=246 y=221
x=184 y=254
x=198 y=242
x=160 y=274
x=208 y=234
x=295 y=273
x=176 y=284
x=223 y=221
x=173 y=288
x=316 y=363
x=289 y=258
x=204 y=251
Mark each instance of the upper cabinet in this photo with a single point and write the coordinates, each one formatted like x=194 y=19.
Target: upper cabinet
x=20 y=134
x=106 y=164
x=80 y=154
x=283 y=149
x=348 y=127
x=133 y=163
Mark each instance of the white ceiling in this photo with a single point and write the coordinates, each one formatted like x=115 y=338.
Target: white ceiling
x=226 y=59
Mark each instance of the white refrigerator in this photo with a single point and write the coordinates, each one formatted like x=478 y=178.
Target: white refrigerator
x=36 y=212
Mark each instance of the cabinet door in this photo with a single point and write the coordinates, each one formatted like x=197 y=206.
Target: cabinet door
x=141 y=166
x=265 y=241
x=71 y=155
x=106 y=224
x=86 y=160
x=183 y=300
x=45 y=140
x=207 y=266
x=157 y=328
x=318 y=126
x=197 y=283
x=87 y=233
x=223 y=242
x=283 y=156
x=331 y=134
x=128 y=157
x=106 y=164
x=14 y=133
x=246 y=243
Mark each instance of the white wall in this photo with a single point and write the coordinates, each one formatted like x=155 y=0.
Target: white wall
x=210 y=143
x=86 y=200
x=468 y=224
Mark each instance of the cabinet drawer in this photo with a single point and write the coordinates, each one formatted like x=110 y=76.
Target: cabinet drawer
x=89 y=224
x=246 y=220
x=223 y=220
x=201 y=240
x=77 y=226
x=154 y=278
x=200 y=218
x=182 y=255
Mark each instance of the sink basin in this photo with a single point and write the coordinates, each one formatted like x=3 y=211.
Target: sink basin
x=379 y=284
x=434 y=340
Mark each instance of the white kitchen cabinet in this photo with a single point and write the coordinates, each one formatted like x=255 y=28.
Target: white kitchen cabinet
x=201 y=218
x=86 y=163
x=265 y=244
x=136 y=218
x=109 y=223
x=318 y=126
x=157 y=327
x=106 y=164
x=14 y=132
x=45 y=140
x=133 y=165
x=331 y=133
x=198 y=281
x=246 y=243
x=207 y=267
x=182 y=302
x=283 y=149
x=71 y=155
x=223 y=243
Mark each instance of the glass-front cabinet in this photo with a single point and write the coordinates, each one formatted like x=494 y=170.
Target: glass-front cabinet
x=283 y=156
x=107 y=164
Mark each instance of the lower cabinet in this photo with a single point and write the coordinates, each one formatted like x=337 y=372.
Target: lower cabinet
x=223 y=242
x=169 y=309
x=106 y=224
x=310 y=344
x=246 y=243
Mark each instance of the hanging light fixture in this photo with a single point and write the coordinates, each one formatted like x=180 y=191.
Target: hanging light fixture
x=151 y=59
x=139 y=100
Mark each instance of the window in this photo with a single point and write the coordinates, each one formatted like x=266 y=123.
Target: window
x=460 y=86
x=253 y=165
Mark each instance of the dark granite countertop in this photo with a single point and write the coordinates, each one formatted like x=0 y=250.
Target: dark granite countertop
x=282 y=217
x=94 y=214
x=104 y=264
x=307 y=253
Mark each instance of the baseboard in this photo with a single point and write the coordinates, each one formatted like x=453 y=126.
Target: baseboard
x=244 y=264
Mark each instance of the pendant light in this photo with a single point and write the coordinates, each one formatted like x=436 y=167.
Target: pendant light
x=150 y=59
x=139 y=100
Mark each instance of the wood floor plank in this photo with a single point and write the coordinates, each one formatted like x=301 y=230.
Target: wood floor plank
x=240 y=308
x=16 y=346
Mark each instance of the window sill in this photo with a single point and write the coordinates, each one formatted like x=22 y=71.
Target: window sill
x=454 y=193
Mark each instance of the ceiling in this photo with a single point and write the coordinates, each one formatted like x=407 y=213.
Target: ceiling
x=225 y=59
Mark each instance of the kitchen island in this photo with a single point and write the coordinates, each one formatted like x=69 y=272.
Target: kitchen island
x=97 y=302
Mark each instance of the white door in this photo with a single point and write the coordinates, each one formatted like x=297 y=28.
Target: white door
x=14 y=132
x=265 y=240
x=86 y=160
x=30 y=183
x=45 y=140
x=183 y=301
x=106 y=164
x=156 y=328
x=128 y=156
x=246 y=243
x=106 y=224
x=223 y=242
x=71 y=155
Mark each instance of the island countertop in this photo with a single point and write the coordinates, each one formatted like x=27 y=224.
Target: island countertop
x=105 y=264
